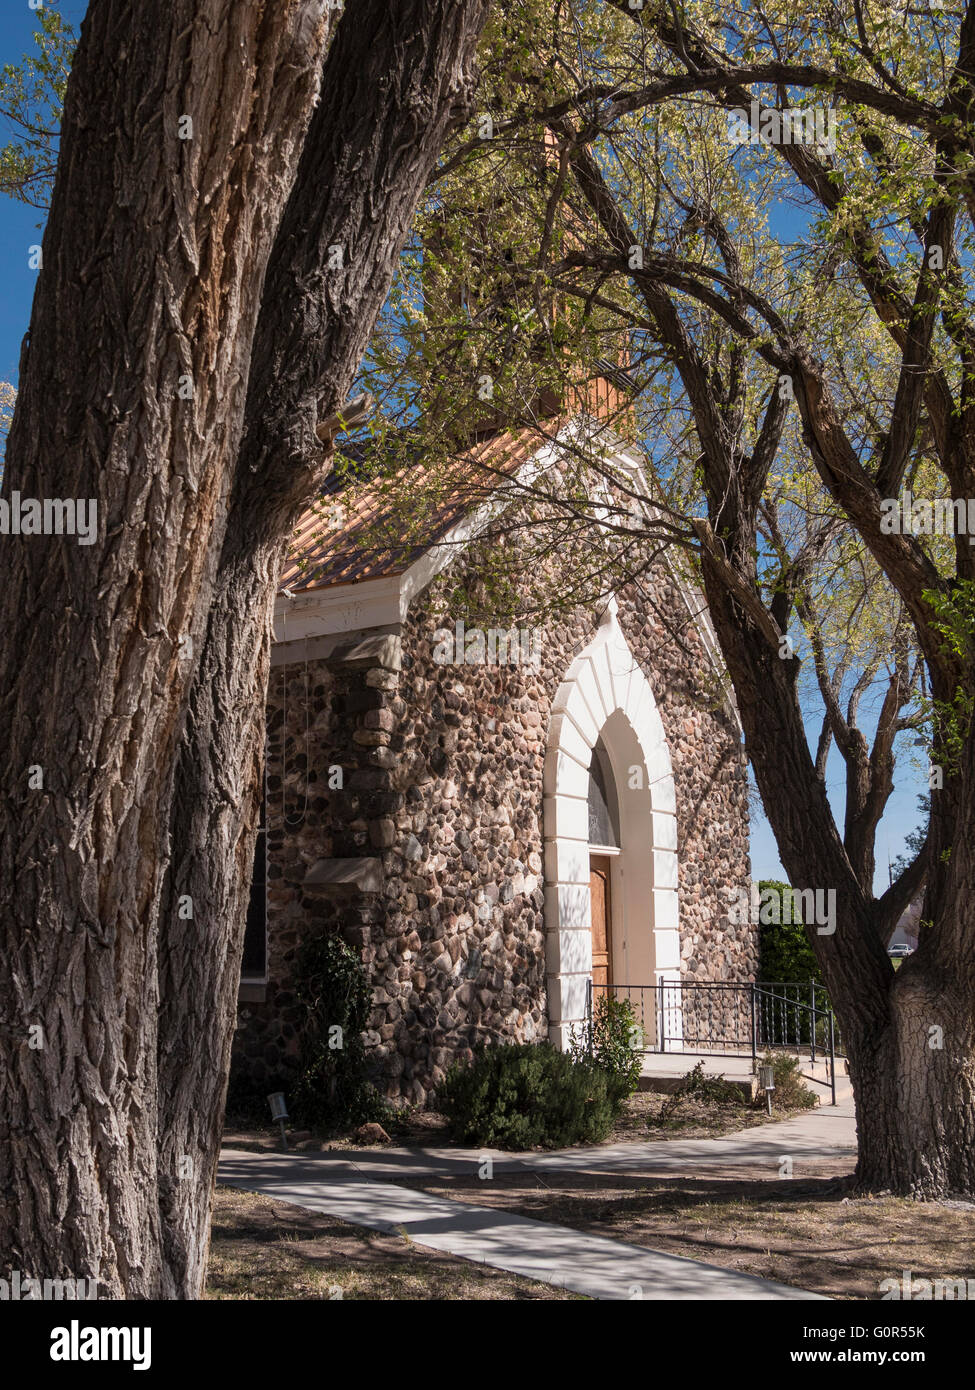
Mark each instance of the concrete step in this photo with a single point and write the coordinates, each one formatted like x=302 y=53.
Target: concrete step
x=663 y=1072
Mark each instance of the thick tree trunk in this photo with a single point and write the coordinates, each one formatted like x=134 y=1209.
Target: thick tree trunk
x=156 y=255
x=910 y=1034
x=182 y=127
x=915 y=1091
x=394 y=83
x=918 y=1089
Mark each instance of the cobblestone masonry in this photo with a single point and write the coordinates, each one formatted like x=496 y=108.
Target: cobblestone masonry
x=441 y=772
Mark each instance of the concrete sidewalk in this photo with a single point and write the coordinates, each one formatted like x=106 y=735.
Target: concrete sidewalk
x=557 y=1255
x=364 y=1187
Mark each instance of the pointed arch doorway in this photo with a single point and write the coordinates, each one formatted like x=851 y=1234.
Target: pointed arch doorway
x=610 y=891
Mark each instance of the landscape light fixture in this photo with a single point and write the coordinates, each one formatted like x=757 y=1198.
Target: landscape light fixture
x=279 y=1112
x=766 y=1083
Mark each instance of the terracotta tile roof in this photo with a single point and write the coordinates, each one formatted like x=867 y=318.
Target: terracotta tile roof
x=355 y=531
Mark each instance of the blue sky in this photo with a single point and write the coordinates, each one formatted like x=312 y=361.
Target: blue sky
x=19 y=230
x=19 y=224
x=901 y=816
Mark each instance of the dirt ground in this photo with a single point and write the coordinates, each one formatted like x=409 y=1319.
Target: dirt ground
x=807 y=1230
x=263 y=1249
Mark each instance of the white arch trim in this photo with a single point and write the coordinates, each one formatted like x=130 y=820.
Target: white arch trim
x=606 y=693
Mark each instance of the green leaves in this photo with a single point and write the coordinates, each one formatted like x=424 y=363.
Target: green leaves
x=31 y=101
x=613 y=1044
x=785 y=956
x=955 y=610
x=331 y=987
x=952 y=719
x=524 y=1096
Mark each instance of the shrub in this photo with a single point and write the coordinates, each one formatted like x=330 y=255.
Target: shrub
x=525 y=1096
x=785 y=955
x=332 y=1089
x=791 y=1091
x=612 y=1044
x=707 y=1090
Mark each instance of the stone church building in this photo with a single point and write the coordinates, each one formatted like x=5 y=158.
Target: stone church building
x=498 y=822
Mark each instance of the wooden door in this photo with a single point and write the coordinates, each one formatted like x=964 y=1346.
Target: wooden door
x=601 y=919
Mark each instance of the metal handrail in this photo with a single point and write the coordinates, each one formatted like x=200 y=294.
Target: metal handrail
x=777 y=1017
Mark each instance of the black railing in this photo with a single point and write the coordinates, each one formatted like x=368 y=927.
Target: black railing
x=731 y=1019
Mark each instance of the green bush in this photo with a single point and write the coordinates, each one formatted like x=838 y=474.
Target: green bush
x=525 y=1096
x=786 y=957
x=791 y=1091
x=707 y=1090
x=332 y=1090
x=612 y=1045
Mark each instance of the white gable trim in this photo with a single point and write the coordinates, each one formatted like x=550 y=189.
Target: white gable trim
x=380 y=602
x=385 y=602
x=694 y=601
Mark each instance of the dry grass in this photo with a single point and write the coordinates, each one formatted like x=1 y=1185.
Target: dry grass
x=263 y=1249
x=693 y=1119
x=807 y=1231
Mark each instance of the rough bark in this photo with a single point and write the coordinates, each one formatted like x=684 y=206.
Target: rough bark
x=154 y=255
x=155 y=258
x=393 y=85
x=915 y=1086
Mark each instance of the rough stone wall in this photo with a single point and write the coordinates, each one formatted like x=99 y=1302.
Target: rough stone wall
x=441 y=769
x=306 y=725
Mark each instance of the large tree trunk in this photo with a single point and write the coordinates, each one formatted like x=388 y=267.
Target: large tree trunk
x=182 y=127
x=910 y=1034
x=393 y=85
x=155 y=256
x=915 y=1090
